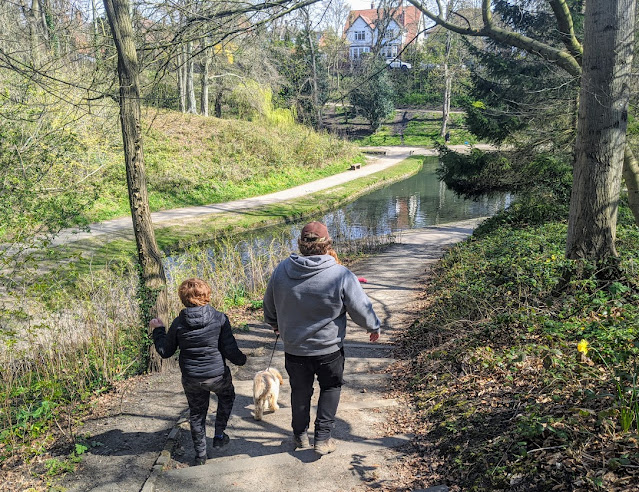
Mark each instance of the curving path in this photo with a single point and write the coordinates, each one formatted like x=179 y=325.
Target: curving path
x=393 y=156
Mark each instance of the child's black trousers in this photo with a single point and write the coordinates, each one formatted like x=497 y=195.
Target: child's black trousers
x=198 y=393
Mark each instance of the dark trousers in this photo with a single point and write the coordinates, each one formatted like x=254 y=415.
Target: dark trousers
x=198 y=392
x=302 y=370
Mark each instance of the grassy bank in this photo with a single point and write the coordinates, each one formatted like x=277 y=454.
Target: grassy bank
x=421 y=130
x=195 y=160
x=96 y=253
x=523 y=366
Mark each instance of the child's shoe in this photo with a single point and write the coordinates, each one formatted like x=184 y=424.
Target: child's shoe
x=219 y=441
x=200 y=460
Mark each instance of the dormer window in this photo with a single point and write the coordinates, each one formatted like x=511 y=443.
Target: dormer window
x=390 y=34
x=359 y=35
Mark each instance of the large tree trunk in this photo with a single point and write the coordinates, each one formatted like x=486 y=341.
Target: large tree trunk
x=601 y=128
x=152 y=278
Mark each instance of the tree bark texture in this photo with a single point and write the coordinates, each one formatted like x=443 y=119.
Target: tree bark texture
x=204 y=95
x=448 y=85
x=601 y=128
x=190 y=87
x=181 y=78
x=152 y=279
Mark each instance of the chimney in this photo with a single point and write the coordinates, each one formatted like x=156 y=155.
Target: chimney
x=372 y=5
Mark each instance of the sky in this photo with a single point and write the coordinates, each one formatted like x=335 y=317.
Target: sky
x=360 y=4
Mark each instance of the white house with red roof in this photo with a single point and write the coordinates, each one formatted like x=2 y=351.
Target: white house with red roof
x=398 y=25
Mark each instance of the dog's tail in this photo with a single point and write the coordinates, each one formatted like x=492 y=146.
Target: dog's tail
x=259 y=391
x=277 y=374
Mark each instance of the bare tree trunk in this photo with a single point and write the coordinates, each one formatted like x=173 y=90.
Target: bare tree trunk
x=448 y=84
x=190 y=88
x=218 y=104
x=204 y=96
x=316 y=104
x=181 y=79
x=311 y=47
x=152 y=278
x=32 y=23
x=601 y=129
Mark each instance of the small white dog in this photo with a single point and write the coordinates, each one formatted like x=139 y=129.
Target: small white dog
x=266 y=389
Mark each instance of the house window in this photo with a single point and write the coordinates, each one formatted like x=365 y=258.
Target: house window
x=390 y=34
x=356 y=53
x=389 y=51
x=359 y=35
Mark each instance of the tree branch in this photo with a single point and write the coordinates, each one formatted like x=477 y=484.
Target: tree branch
x=561 y=58
x=566 y=28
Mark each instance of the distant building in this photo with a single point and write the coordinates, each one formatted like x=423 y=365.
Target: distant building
x=398 y=26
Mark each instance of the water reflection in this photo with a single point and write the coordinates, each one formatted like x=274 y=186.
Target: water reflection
x=419 y=201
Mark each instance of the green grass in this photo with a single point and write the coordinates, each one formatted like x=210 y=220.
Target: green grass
x=422 y=131
x=97 y=254
x=193 y=160
x=502 y=392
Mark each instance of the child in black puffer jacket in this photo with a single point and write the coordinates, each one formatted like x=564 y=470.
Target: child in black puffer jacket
x=205 y=340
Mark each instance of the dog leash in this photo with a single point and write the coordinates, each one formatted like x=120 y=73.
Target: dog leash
x=273 y=352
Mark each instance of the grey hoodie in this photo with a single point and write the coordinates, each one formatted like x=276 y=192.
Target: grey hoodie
x=307 y=298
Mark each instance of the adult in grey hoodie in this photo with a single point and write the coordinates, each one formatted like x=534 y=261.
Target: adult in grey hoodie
x=306 y=302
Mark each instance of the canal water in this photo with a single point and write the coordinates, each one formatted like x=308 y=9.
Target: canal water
x=419 y=201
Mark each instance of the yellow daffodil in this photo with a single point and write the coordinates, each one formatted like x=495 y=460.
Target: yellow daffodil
x=582 y=347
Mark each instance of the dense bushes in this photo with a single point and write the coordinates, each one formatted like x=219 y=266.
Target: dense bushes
x=524 y=366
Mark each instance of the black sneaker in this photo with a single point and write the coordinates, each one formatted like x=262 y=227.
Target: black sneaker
x=200 y=461
x=218 y=442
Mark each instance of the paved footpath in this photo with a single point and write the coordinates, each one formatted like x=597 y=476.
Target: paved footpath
x=141 y=444
x=137 y=442
x=260 y=456
x=393 y=156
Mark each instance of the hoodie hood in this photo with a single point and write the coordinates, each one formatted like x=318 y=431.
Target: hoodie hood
x=302 y=267
x=199 y=316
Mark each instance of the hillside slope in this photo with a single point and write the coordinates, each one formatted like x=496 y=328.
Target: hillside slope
x=195 y=160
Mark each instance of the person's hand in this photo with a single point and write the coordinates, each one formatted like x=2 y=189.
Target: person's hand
x=155 y=323
x=374 y=336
